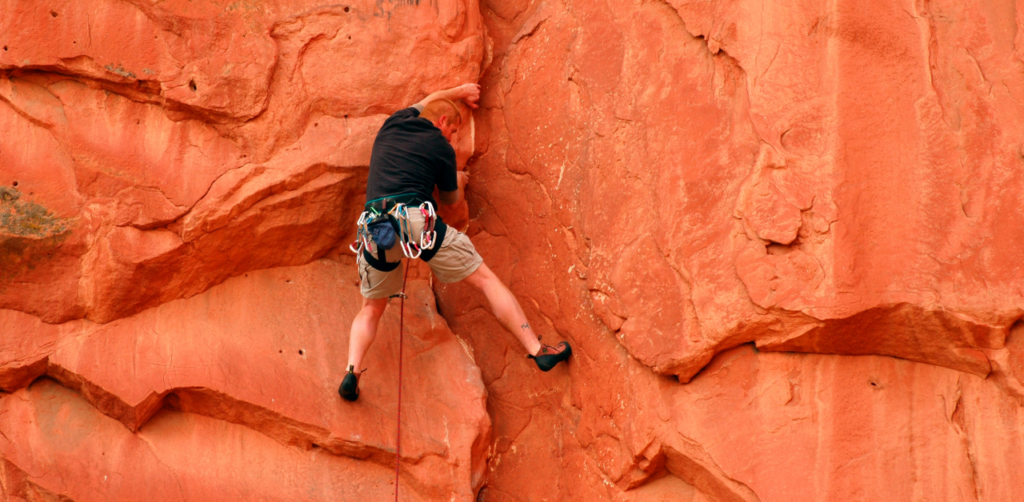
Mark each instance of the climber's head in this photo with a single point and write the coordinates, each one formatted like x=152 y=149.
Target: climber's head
x=444 y=115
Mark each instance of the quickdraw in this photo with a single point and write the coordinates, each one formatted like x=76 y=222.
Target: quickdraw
x=409 y=246
x=428 y=236
x=363 y=236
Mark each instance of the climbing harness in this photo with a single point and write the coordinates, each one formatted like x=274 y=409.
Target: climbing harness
x=385 y=217
x=398 y=432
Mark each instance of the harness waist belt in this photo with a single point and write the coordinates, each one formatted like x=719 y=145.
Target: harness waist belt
x=386 y=203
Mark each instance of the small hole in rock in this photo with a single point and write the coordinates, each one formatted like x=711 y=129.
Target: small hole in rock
x=347 y=8
x=315 y=124
x=302 y=352
x=173 y=402
x=53 y=13
x=192 y=84
x=314 y=445
x=873 y=384
x=775 y=249
x=5 y=47
x=15 y=183
x=350 y=37
x=280 y=351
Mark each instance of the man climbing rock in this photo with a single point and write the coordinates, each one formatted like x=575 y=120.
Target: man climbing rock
x=413 y=153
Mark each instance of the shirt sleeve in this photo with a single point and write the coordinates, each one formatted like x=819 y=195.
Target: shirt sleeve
x=447 y=179
x=404 y=113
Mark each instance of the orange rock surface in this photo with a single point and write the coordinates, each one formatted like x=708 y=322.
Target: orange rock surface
x=784 y=240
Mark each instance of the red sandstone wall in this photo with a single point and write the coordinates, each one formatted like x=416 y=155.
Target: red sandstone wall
x=783 y=238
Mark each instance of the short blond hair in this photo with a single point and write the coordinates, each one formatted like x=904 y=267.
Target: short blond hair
x=438 y=107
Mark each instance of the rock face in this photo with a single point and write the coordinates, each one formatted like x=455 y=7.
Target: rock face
x=230 y=138
x=783 y=239
x=245 y=372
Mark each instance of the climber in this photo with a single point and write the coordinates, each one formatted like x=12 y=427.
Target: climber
x=411 y=154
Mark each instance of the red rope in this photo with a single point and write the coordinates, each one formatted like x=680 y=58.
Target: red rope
x=398 y=433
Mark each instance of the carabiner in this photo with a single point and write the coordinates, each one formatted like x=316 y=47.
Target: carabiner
x=428 y=236
x=411 y=254
x=362 y=233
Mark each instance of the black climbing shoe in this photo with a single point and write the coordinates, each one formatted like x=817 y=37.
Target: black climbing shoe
x=349 y=389
x=547 y=357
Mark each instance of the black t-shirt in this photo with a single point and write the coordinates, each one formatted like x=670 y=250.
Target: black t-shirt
x=410 y=155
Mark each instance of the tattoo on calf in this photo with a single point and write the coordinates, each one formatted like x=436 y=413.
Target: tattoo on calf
x=525 y=327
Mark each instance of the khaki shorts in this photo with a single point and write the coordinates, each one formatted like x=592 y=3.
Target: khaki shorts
x=455 y=261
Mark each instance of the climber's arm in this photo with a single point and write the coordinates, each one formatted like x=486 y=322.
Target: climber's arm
x=449 y=198
x=468 y=93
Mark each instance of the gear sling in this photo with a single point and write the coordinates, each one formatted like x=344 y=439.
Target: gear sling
x=386 y=220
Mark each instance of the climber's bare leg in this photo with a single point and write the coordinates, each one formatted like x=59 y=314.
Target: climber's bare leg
x=364 y=330
x=505 y=307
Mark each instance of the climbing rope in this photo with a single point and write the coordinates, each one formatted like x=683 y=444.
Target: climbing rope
x=412 y=250
x=401 y=330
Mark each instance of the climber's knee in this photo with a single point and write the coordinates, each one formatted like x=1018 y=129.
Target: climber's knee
x=374 y=307
x=483 y=277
